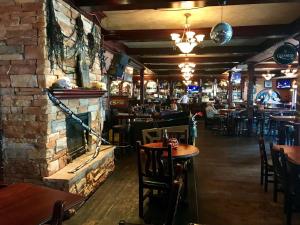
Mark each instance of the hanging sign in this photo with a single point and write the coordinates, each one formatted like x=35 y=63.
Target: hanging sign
x=285 y=54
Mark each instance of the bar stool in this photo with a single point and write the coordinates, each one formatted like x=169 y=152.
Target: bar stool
x=289 y=134
x=122 y=144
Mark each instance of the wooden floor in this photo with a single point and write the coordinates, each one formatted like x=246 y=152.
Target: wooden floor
x=224 y=189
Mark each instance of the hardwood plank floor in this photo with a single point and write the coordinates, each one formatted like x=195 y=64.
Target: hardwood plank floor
x=224 y=189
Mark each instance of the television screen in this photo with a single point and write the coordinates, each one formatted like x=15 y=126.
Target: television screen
x=193 y=88
x=236 y=78
x=283 y=84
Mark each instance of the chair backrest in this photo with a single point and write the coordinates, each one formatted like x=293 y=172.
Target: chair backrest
x=180 y=132
x=173 y=202
x=151 y=164
x=262 y=150
x=151 y=135
x=279 y=163
x=58 y=213
x=180 y=135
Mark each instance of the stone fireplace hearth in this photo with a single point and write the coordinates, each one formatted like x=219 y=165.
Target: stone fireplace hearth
x=78 y=139
x=35 y=134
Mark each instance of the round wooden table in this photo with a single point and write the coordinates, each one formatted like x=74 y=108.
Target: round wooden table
x=183 y=151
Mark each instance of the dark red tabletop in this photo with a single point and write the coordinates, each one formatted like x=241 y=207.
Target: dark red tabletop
x=28 y=204
x=293 y=152
x=182 y=151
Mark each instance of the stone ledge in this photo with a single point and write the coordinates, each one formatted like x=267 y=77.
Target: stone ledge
x=86 y=180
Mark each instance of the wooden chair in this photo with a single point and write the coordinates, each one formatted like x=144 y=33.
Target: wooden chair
x=293 y=191
x=57 y=214
x=151 y=135
x=155 y=173
x=155 y=134
x=266 y=168
x=280 y=175
x=172 y=204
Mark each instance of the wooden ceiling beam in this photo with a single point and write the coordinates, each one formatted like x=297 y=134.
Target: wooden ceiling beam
x=272 y=66
x=197 y=72
x=109 y=5
x=241 y=32
x=197 y=50
x=194 y=60
x=175 y=66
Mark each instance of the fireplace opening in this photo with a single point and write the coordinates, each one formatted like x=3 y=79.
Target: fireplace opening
x=77 y=137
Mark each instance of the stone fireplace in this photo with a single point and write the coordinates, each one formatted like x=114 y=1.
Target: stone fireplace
x=78 y=139
x=37 y=135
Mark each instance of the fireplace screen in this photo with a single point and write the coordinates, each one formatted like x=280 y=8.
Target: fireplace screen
x=77 y=137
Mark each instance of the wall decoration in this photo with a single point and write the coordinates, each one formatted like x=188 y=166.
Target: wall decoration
x=268 y=84
x=59 y=52
x=54 y=36
x=285 y=54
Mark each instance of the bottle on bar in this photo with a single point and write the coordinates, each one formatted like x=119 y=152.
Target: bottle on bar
x=165 y=138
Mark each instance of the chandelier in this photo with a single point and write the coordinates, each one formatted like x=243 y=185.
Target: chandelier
x=188 y=40
x=289 y=72
x=187 y=76
x=187 y=82
x=187 y=69
x=268 y=75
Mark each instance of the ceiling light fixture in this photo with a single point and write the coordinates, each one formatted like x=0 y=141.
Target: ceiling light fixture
x=187 y=67
x=268 y=75
x=289 y=72
x=187 y=82
x=188 y=40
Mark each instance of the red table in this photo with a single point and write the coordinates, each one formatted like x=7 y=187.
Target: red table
x=293 y=152
x=28 y=204
x=182 y=151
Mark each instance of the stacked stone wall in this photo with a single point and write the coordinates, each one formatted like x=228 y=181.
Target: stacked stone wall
x=35 y=144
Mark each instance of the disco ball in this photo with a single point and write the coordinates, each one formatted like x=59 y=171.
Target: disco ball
x=221 y=33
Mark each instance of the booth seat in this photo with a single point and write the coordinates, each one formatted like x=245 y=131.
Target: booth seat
x=137 y=126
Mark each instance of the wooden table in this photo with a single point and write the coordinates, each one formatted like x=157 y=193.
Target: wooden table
x=226 y=111
x=293 y=152
x=283 y=118
x=28 y=204
x=183 y=151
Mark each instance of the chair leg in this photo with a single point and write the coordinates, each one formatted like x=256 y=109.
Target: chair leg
x=266 y=179
x=141 y=203
x=261 y=174
x=113 y=136
x=275 y=190
x=288 y=211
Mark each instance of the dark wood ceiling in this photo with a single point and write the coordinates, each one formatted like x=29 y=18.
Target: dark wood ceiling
x=151 y=45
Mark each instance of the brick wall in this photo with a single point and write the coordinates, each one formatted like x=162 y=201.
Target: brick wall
x=34 y=129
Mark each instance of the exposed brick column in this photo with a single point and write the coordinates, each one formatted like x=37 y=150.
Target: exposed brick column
x=251 y=73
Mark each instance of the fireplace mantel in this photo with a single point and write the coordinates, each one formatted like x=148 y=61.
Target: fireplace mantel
x=77 y=93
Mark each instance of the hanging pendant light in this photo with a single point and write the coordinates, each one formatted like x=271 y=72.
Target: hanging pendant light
x=268 y=75
x=289 y=72
x=189 y=39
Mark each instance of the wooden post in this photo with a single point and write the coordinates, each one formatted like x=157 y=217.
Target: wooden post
x=171 y=88
x=142 y=90
x=250 y=109
x=229 y=97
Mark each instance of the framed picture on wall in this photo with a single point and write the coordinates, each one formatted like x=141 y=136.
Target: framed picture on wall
x=268 y=84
